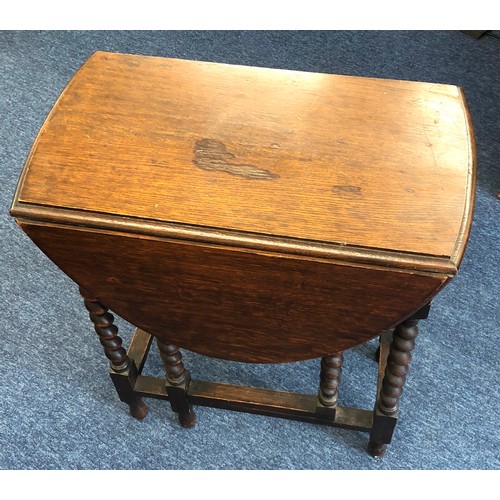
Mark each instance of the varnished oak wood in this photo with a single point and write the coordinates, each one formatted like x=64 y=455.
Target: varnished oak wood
x=107 y=331
x=331 y=370
x=233 y=304
x=253 y=215
x=398 y=366
x=123 y=372
x=177 y=383
x=262 y=401
x=344 y=160
x=252 y=241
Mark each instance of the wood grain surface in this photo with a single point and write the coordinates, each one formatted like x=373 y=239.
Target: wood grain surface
x=341 y=160
x=235 y=304
x=251 y=214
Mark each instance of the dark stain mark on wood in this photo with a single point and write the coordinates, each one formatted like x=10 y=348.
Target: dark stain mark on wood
x=212 y=155
x=346 y=189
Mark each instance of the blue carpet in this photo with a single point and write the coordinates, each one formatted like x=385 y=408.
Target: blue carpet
x=59 y=408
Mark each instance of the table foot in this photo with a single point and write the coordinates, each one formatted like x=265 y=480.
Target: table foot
x=138 y=409
x=188 y=418
x=377 y=450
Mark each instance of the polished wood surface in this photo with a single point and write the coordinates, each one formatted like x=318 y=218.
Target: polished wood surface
x=331 y=370
x=108 y=332
x=251 y=214
x=232 y=303
x=177 y=383
x=350 y=162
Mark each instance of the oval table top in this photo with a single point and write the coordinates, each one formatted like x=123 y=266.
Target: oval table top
x=251 y=214
x=347 y=162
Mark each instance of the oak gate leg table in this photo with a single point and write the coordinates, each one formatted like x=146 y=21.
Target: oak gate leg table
x=253 y=215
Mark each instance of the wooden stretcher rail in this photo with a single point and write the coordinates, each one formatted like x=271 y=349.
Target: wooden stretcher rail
x=256 y=400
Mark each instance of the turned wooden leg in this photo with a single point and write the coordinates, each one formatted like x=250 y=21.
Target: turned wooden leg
x=393 y=381
x=331 y=370
x=177 y=383
x=122 y=371
x=398 y=366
